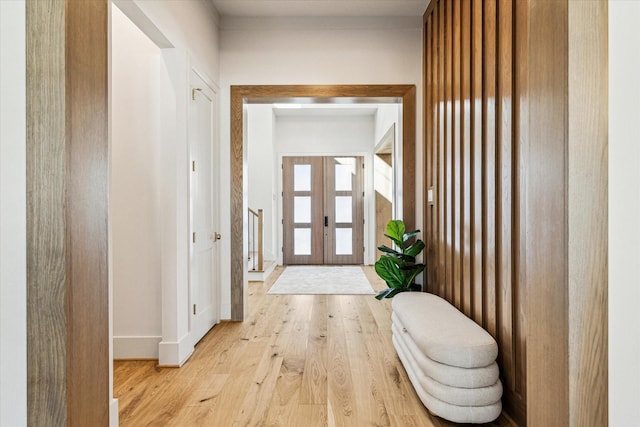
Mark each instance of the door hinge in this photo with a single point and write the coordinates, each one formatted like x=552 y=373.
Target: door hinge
x=363 y=194
x=193 y=165
x=193 y=237
x=193 y=92
x=194 y=309
x=282 y=221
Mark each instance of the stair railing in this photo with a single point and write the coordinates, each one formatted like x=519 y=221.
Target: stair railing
x=256 y=241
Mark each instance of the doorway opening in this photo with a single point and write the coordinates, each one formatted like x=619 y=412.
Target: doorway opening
x=163 y=194
x=404 y=95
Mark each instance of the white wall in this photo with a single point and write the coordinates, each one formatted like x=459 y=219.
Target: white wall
x=13 y=281
x=386 y=116
x=188 y=34
x=135 y=191
x=624 y=213
x=324 y=134
x=261 y=171
x=191 y=26
x=325 y=51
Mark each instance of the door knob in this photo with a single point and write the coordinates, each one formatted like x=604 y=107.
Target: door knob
x=216 y=237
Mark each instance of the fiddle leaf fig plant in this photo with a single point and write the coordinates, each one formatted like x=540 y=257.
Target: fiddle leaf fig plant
x=397 y=267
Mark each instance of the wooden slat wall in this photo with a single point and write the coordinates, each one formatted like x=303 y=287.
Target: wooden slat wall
x=472 y=160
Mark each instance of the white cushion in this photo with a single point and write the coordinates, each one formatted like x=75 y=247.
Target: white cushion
x=461 y=396
x=455 y=413
x=442 y=332
x=445 y=374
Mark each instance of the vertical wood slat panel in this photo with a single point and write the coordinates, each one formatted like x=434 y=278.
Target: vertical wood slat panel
x=433 y=148
x=448 y=148
x=465 y=173
x=477 y=161
x=441 y=154
x=408 y=96
x=545 y=187
x=428 y=58
x=489 y=165
x=473 y=158
x=504 y=155
x=456 y=154
x=520 y=132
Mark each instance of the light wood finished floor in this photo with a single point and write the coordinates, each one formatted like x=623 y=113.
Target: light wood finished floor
x=298 y=360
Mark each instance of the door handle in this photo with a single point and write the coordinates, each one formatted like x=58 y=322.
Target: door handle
x=326 y=221
x=216 y=237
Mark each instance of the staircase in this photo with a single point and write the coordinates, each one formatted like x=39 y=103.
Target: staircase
x=259 y=269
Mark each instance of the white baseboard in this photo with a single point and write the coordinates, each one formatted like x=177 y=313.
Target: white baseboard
x=174 y=354
x=261 y=276
x=225 y=312
x=135 y=347
x=114 y=418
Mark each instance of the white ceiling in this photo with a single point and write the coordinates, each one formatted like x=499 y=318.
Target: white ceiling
x=315 y=8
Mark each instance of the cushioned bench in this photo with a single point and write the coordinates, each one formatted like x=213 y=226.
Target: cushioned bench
x=450 y=360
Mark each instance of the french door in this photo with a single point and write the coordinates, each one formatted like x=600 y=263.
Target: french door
x=323 y=210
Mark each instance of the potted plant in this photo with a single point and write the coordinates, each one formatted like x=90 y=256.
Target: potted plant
x=397 y=267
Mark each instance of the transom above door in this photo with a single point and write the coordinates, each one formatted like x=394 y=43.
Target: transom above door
x=323 y=212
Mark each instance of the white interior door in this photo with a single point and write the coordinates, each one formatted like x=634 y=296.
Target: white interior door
x=204 y=272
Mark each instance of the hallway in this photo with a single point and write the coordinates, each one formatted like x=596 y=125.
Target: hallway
x=298 y=360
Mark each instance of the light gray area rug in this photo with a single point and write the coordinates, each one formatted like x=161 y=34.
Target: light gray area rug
x=320 y=280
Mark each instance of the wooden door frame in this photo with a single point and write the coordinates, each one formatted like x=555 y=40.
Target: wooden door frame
x=566 y=212
x=406 y=94
x=68 y=362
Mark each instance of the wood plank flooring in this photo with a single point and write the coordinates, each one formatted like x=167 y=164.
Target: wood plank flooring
x=298 y=360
